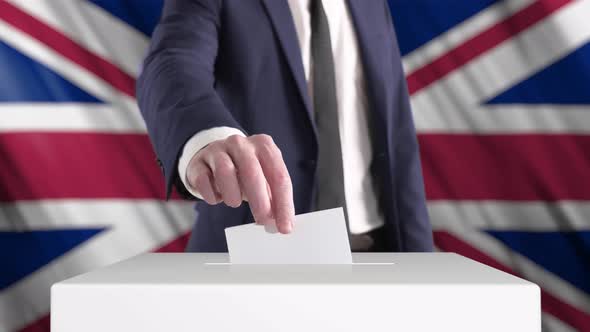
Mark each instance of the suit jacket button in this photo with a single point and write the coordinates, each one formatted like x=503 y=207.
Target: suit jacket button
x=308 y=163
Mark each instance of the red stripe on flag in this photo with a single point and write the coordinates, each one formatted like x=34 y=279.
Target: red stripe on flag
x=40 y=325
x=472 y=167
x=67 y=48
x=481 y=43
x=506 y=167
x=176 y=245
x=550 y=304
x=78 y=165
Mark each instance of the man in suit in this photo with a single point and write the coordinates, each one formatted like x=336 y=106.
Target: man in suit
x=267 y=108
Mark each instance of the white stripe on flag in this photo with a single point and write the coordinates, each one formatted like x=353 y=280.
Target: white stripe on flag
x=92 y=27
x=47 y=56
x=501 y=68
x=462 y=32
x=545 y=279
x=18 y=117
x=134 y=227
x=515 y=118
x=507 y=215
x=552 y=324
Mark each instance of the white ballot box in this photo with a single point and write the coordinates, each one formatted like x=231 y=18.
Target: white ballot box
x=379 y=292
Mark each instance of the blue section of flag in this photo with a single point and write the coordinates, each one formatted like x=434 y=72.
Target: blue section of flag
x=565 y=82
x=24 y=80
x=418 y=21
x=22 y=253
x=566 y=254
x=143 y=15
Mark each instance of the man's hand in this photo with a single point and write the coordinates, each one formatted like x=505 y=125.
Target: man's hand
x=245 y=168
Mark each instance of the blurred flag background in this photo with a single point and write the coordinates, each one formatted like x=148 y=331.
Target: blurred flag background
x=501 y=98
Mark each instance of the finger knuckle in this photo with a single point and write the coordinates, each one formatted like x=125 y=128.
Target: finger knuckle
x=235 y=140
x=283 y=180
x=213 y=147
x=264 y=140
x=249 y=171
x=200 y=181
x=198 y=155
x=240 y=150
x=270 y=150
x=224 y=167
x=278 y=152
x=193 y=180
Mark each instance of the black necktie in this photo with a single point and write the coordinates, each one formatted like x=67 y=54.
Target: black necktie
x=330 y=174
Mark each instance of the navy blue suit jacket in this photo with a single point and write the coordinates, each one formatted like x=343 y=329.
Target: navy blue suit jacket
x=237 y=63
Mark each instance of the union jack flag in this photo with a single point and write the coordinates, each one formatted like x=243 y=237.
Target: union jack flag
x=501 y=99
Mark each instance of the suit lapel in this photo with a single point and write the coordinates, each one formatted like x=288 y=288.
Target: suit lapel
x=282 y=21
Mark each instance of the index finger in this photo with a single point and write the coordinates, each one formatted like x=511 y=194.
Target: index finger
x=251 y=179
x=279 y=181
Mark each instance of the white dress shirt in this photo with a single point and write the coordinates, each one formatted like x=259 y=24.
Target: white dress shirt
x=361 y=199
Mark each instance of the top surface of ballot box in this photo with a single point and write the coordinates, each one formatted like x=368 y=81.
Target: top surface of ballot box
x=380 y=292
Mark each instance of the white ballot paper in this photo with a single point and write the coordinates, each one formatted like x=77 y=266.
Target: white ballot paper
x=317 y=238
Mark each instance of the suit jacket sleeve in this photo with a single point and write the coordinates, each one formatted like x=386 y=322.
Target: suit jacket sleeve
x=410 y=198
x=175 y=90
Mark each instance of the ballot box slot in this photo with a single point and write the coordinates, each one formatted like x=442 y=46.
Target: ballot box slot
x=354 y=263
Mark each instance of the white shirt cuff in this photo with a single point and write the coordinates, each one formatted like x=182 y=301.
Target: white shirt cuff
x=195 y=144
